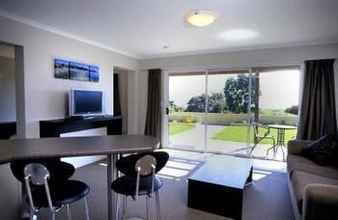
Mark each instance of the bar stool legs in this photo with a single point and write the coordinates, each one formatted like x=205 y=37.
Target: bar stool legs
x=53 y=215
x=124 y=208
x=158 y=206
x=69 y=214
x=148 y=207
x=86 y=208
x=123 y=213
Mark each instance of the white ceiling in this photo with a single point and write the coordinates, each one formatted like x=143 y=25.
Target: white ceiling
x=142 y=27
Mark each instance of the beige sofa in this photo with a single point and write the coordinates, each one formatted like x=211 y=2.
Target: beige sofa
x=313 y=188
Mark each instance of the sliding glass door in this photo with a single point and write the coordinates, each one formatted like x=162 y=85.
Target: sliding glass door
x=210 y=112
x=187 y=111
x=230 y=106
x=228 y=112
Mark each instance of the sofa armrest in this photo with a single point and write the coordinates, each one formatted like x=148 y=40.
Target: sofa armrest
x=320 y=201
x=296 y=146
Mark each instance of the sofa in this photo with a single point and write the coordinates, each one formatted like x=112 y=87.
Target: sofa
x=313 y=188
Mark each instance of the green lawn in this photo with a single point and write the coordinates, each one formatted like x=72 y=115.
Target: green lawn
x=178 y=127
x=239 y=134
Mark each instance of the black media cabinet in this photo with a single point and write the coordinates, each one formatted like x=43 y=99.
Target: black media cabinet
x=54 y=128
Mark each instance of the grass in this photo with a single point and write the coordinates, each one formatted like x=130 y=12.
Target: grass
x=233 y=130
x=178 y=127
x=239 y=134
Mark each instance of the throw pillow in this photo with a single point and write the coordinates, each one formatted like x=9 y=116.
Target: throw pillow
x=322 y=151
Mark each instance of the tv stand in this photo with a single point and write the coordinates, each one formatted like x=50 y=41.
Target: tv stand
x=54 y=128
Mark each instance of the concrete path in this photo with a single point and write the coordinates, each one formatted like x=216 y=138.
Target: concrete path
x=194 y=140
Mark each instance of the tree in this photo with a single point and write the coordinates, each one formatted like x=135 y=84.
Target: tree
x=236 y=92
x=216 y=103
x=196 y=104
x=174 y=108
x=292 y=110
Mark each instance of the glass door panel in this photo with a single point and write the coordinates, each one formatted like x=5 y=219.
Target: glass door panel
x=278 y=105
x=229 y=113
x=187 y=112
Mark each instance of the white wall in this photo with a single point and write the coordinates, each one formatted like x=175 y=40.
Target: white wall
x=7 y=89
x=249 y=58
x=45 y=96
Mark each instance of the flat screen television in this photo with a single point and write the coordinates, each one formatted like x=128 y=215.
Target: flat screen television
x=85 y=102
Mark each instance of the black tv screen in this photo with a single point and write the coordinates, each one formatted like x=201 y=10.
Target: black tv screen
x=87 y=102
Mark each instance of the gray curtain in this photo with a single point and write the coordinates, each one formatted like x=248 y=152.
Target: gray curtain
x=318 y=109
x=116 y=92
x=153 y=119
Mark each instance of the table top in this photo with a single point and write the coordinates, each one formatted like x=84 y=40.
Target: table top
x=11 y=150
x=224 y=170
x=277 y=126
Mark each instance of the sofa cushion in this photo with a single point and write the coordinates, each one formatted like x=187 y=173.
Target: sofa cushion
x=297 y=162
x=322 y=151
x=300 y=179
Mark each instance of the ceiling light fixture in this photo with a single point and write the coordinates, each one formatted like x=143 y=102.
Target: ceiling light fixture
x=239 y=34
x=200 y=18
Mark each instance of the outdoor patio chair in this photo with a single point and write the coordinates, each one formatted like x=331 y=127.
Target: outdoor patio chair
x=261 y=132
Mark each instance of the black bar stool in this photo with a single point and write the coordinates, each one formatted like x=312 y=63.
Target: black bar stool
x=56 y=195
x=140 y=179
x=59 y=172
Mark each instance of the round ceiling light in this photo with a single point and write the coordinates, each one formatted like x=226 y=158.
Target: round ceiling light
x=200 y=18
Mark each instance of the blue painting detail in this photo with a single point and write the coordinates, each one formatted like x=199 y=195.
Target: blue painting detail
x=94 y=75
x=78 y=71
x=61 y=69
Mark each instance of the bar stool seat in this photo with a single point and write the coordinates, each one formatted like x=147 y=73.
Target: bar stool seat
x=126 y=185
x=62 y=194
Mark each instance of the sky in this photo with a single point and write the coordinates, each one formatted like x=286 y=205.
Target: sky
x=278 y=89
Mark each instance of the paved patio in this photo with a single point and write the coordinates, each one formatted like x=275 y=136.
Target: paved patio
x=193 y=140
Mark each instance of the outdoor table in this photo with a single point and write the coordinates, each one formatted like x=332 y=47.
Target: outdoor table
x=280 y=142
x=111 y=146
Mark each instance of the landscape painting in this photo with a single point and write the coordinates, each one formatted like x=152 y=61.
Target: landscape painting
x=61 y=69
x=94 y=73
x=78 y=71
x=64 y=69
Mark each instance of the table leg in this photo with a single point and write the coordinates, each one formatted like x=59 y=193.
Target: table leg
x=25 y=209
x=109 y=182
x=111 y=176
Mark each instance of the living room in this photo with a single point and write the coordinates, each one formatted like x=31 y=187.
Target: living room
x=133 y=56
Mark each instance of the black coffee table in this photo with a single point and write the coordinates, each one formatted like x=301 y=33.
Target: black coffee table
x=218 y=185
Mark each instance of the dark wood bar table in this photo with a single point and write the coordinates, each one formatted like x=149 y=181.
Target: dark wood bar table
x=111 y=146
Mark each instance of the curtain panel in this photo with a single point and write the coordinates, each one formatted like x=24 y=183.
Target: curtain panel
x=116 y=92
x=318 y=107
x=153 y=118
